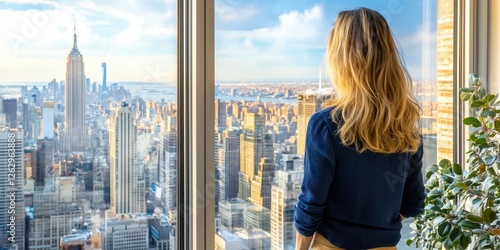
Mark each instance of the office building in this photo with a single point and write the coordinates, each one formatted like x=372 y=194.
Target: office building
x=104 y=77
x=283 y=199
x=48 y=120
x=167 y=174
x=125 y=231
x=9 y=108
x=220 y=113
x=228 y=155
x=30 y=162
x=74 y=110
x=127 y=191
x=254 y=145
x=308 y=104
x=261 y=184
x=12 y=219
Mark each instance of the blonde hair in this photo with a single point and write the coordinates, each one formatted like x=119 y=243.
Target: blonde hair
x=374 y=106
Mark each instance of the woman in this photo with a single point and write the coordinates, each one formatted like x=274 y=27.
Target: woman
x=363 y=158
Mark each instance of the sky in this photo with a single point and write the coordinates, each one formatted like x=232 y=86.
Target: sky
x=256 y=40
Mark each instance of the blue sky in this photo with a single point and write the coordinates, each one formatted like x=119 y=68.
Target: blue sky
x=255 y=39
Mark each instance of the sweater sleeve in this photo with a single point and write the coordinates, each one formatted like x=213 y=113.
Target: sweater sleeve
x=319 y=166
x=414 y=190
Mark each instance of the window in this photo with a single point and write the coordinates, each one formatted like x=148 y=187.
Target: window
x=89 y=95
x=270 y=78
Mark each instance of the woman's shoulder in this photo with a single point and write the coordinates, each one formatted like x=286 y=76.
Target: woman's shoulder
x=325 y=114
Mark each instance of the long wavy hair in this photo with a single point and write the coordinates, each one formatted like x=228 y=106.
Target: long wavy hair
x=373 y=106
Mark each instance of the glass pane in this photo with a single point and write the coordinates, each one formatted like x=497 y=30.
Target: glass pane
x=270 y=76
x=88 y=110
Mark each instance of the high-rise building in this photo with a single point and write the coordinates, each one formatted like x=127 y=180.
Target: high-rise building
x=10 y=110
x=229 y=163
x=127 y=192
x=283 y=199
x=445 y=79
x=125 y=232
x=30 y=162
x=308 y=104
x=104 y=76
x=45 y=160
x=220 y=113
x=253 y=144
x=261 y=184
x=48 y=120
x=12 y=226
x=74 y=110
x=26 y=119
x=168 y=169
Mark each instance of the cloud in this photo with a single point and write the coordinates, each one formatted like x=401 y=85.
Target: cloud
x=292 y=47
x=227 y=12
x=118 y=29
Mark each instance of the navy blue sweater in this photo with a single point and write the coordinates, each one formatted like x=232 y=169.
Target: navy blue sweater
x=354 y=199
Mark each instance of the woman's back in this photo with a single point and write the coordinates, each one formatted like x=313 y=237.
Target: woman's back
x=358 y=196
x=363 y=159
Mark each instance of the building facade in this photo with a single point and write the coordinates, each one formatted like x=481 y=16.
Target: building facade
x=74 y=110
x=127 y=192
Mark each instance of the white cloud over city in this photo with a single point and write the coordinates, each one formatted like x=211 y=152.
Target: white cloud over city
x=255 y=39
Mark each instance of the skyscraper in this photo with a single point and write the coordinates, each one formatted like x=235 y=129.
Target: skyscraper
x=74 y=110
x=253 y=145
x=229 y=163
x=261 y=184
x=283 y=199
x=10 y=110
x=11 y=189
x=48 y=120
x=168 y=168
x=308 y=104
x=445 y=79
x=104 y=76
x=26 y=119
x=220 y=113
x=127 y=192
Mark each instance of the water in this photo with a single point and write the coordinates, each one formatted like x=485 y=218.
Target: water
x=157 y=91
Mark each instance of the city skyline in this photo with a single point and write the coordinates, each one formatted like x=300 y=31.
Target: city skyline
x=255 y=40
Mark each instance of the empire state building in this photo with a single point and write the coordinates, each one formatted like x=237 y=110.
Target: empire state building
x=74 y=111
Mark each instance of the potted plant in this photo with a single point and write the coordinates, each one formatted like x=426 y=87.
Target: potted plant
x=462 y=203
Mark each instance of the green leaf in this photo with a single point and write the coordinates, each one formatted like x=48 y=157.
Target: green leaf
x=445 y=163
x=474 y=218
x=468 y=225
x=488 y=112
x=455 y=234
x=461 y=185
x=408 y=242
x=481 y=141
x=466 y=96
x=466 y=89
x=489 y=215
x=444 y=229
x=457 y=169
x=477 y=104
x=497 y=125
x=472 y=121
x=465 y=240
x=490 y=98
